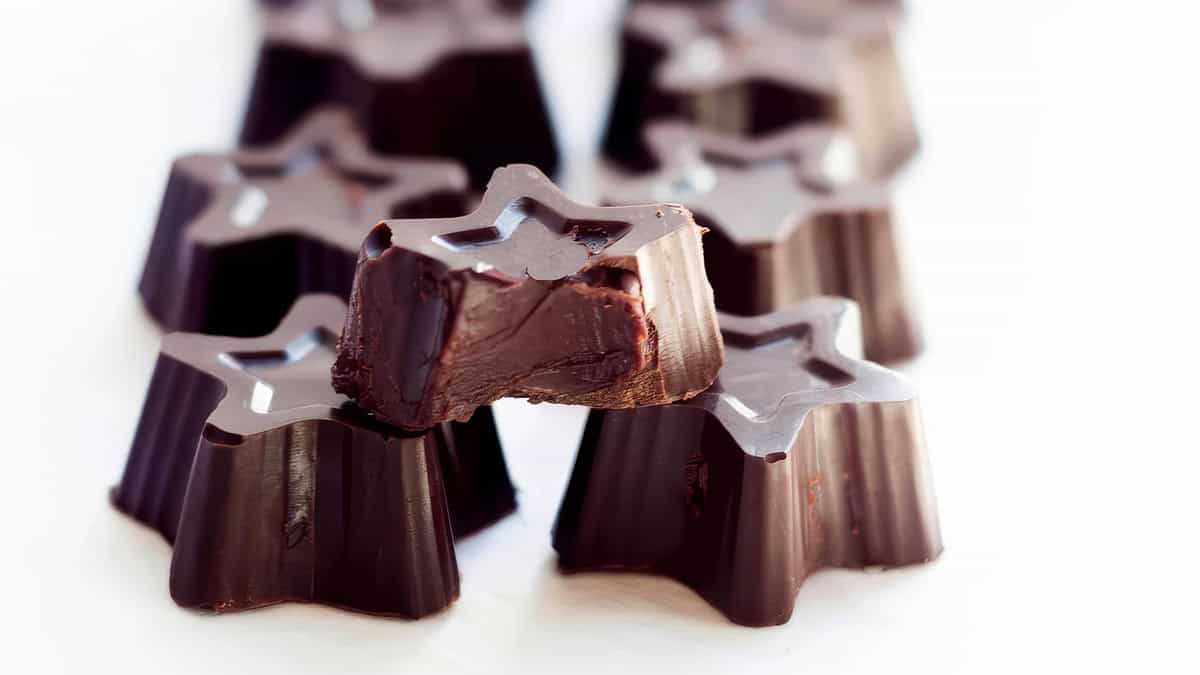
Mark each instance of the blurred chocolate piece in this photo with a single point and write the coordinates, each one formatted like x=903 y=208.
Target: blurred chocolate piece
x=753 y=68
x=241 y=236
x=780 y=231
x=274 y=488
x=446 y=79
x=797 y=458
x=404 y=5
x=531 y=295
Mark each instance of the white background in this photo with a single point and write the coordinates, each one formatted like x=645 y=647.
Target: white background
x=1050 y=226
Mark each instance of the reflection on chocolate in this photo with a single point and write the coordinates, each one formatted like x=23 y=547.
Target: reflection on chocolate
x=240 y=236
x=757 y=68
x=797 y=458
x=780 y=230
x=274 y=488
x=531 y=295
x=447 y=79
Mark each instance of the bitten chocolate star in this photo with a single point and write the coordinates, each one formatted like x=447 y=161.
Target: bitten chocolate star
x=448 y=79
x=241 y=236
x=781 y=231
x=531 y=295
x=274 y=488
x=797 y=458
x=754 y=68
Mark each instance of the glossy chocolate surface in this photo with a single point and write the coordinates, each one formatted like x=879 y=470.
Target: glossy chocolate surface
x=531 y=295
x=797 y=458
x=756 y=68
x=274 y=488
x=447 y=79
x=240 y=236
x=780 y=230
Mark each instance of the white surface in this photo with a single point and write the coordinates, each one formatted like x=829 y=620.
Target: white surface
x=1051 y=231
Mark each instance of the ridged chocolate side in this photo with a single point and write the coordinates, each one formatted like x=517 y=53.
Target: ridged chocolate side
x=380 y=500
x=478 y=487
x=857 y=82
x=165 y=277
x=858 y=258
x=242 y=289
x=433 y=114
x=515 y=129
x=751 y=108
x=317 y=511
x=876 y=107
x=177 y=406
x=667 y=490
x=846 y=253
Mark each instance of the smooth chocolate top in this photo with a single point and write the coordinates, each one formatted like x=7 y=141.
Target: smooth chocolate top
x=756 y=190
x=395 y=44
x=527 y=226
x=320 y=182
x=779 y=367
x=274 y=380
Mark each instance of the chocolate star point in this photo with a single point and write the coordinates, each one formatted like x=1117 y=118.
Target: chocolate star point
x=797 y=458
x=240 y=236
x=784 y=365
x=274 y=488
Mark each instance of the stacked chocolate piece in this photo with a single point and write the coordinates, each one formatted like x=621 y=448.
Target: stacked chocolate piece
x=355 y=304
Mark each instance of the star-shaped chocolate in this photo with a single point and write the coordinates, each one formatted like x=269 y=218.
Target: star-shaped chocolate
x=782 y=231
x=753 y=68
x=241 y=236
x=530 y=295
x=275 y=488
x=797 y=458
x=447 y=79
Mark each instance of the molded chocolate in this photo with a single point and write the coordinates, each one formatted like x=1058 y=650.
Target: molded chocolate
x=240 y=236
x=756 y=68
x=274 y=488
x=531 y=295
x=780 y=231
x=797 y=458
x=447 y=79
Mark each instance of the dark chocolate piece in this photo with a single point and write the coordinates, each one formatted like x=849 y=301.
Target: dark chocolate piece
x=241 y=236
x=447 y=79
x=756 y=68
x=274 y=488
x=779 y=230
x=531 y=295
x=405 y=5
x=797 y=458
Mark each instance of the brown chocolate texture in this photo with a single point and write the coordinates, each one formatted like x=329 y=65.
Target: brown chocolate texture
x=415 y=78
x=752 y=68
x=797 y=458
x=781 y=231
x=241 y=235
x=531 y=295
x=274 y=488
